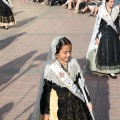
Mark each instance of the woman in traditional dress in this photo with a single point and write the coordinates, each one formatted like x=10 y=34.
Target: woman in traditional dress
x=62 y=86
x=105 y=57
x=6 y=14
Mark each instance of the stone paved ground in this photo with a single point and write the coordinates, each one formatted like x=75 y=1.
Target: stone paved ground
x=23 y=51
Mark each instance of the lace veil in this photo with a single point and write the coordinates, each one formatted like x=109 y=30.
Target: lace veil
x=50 y=59
x=8 y=3
x=96 y=28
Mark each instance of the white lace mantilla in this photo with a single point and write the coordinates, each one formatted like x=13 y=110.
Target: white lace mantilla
x=73 y=69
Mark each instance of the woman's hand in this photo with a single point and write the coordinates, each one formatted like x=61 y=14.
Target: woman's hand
x=45 y=117
x=89 y=105
x=97 y=41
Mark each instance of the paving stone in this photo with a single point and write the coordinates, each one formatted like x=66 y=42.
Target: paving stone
x=23 y=51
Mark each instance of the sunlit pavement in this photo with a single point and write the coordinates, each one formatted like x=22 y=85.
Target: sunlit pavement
x=23 y=51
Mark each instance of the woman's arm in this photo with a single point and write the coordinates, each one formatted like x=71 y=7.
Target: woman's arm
x=85 y=88
x=45 y=100
x=89 y=104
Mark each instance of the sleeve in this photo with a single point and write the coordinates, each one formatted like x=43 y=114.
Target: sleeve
x=85 y=88
x=97 y=36
x=102 y=23
x=45 y=99
x=117 y=25
x=80 y=75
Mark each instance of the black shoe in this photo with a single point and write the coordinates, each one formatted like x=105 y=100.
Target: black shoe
x=113 y=76
x=91 y=14
x=6 y=27
x=94 y=15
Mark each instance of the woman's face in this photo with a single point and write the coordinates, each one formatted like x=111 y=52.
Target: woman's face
x=110 y=3
x=65 y=53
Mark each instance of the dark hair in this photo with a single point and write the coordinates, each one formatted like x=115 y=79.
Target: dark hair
x=107 y=0
x=62 y=42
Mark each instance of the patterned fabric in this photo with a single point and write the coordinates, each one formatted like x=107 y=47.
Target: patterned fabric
x=108 y=55
x=6 y=15
x=96 y=28
x=106 y=59
x=70 y=107
x=73 y=69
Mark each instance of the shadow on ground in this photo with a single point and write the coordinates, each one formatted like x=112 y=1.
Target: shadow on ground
x=25 y=112
x=4 y=43
x=25 y=21
x=99 y=91
x=16 y=13
x=8 y=70
x=4 y=110
x=41 y=57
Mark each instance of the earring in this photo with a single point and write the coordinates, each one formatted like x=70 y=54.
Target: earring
x=56 y=56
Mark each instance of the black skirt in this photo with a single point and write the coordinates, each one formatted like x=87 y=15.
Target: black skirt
x=6 y=15
x=108 y=55
x=70 y=107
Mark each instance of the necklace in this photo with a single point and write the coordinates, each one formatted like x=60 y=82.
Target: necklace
x=64 y=66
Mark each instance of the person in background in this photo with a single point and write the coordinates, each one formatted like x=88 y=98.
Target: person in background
x=6 y=15
x=106 y=39
x=117 y=2
x=80 y=5
x=96 y=8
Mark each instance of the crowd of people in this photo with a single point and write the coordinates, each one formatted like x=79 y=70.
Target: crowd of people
x=79 y=6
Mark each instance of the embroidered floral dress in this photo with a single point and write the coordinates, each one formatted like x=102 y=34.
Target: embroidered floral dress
x=58 y=101
x=107 y=59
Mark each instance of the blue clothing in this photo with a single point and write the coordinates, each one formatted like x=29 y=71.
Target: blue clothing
x=117 y=2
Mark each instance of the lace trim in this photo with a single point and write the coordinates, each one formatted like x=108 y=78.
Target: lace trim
x=73 y=69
